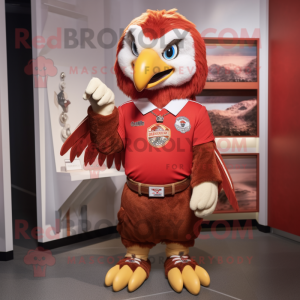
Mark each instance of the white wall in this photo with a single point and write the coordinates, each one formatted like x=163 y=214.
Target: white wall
x=55 y=190
x=263 y=116
x=6 y=235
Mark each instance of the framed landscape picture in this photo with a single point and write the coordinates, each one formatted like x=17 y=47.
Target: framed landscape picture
x=232 y=116
x=244 y=172
x=236 y=62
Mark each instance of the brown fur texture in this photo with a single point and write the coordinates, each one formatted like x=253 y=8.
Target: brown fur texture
x=104 y=131
x=145 y=221
x=205 y=166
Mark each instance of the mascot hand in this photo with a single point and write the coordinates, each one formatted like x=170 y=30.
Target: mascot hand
x=204 y=199
x=102 y=98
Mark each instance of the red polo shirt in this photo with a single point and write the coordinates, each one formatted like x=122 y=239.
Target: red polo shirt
x=162 y=153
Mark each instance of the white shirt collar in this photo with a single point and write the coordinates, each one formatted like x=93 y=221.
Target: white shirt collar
x=174 y=106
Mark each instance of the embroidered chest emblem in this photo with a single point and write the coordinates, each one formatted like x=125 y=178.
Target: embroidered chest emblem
x=183 y=124
x=158 y=135
x=138 y=123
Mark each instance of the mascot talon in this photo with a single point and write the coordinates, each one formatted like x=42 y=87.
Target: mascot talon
x=131 y=272
x=203 y=276
x=122 y=278
x=137 y=279
x=191 y=280
x=181 y=271
x=111 y=274
x=161 y=65
x=175 y=280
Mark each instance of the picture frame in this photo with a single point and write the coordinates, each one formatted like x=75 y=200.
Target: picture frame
x=230 y=63
x=244 y=171
x=233 y=114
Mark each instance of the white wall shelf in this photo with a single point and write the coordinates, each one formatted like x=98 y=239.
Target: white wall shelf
x=91 y=174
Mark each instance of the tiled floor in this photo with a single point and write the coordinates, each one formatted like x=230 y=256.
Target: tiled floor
x=266 y=267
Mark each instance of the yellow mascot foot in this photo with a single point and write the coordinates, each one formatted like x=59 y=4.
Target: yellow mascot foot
x=184 y=271
x=131 y=272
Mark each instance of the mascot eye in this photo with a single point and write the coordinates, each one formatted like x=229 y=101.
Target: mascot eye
x=134 y=49
x=171 y=52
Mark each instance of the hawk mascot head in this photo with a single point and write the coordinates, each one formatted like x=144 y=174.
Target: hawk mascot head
x=161 y=56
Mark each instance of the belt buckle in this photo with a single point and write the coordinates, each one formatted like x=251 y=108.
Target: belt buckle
x=156 y=191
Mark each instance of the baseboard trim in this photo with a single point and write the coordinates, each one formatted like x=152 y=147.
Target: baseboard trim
x=78 y=238
x=6 y=256
x=263 y=228
x=286 y=235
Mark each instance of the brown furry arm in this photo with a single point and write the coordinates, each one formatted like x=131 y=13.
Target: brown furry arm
x=104 y=131
x=205 y=166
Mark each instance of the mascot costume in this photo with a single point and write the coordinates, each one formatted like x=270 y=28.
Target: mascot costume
x=164 y=140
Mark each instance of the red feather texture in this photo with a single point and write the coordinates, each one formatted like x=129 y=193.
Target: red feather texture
x=90 y=154
x=227 y=183
x=77 y=135
x=123 y=158
x=110 y=160
x=80 y=140
x=101 y=158
x=79 y=146
x=118 y=160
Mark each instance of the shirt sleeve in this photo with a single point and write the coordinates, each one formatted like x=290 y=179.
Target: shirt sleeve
x=203 y=132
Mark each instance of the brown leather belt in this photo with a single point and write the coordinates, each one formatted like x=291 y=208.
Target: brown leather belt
x=169 y=189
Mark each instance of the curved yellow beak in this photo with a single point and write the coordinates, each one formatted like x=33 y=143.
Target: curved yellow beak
x=149 y=70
